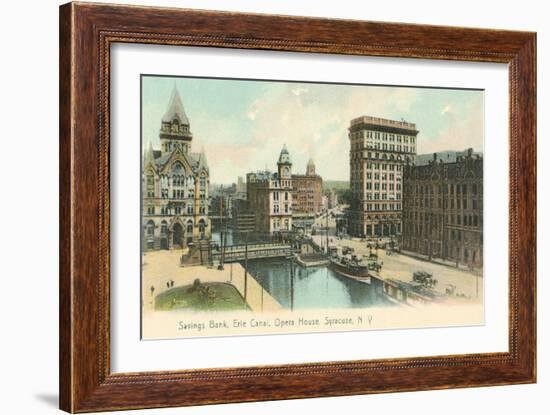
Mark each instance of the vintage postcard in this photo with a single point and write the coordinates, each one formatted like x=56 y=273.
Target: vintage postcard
x=275 y=207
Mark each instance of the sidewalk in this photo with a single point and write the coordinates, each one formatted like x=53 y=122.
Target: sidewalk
x=160 y=267
x=440 y=261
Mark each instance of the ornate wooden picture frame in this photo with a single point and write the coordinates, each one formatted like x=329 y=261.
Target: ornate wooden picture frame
x=87 y=32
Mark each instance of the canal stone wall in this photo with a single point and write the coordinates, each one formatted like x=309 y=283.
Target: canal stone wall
x=162 y=267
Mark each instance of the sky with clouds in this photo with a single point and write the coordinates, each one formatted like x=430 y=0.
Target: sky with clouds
x=243 y=124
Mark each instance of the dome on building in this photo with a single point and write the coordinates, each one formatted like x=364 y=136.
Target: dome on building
x=284 y=157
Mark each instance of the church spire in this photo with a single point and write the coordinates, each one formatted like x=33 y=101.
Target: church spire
x=175 y=109
x=174 y=130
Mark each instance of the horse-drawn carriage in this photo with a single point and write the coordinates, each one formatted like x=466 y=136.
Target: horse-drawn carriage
x=424 y=278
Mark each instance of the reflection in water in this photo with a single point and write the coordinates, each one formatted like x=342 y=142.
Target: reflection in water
x=316 y=287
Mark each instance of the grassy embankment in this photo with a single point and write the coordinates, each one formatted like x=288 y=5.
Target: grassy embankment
x=210 y=296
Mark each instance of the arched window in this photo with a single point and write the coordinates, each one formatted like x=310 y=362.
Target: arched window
x=150 y=184
x=189 y=226
x=202 y=225
x=178 y=174
x=163 y=228
x=150 y=229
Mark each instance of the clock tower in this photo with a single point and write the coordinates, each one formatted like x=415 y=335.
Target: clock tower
x=284 y=165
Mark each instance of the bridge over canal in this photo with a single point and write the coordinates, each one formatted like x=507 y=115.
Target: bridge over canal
x=205 y=252
x=240 y=252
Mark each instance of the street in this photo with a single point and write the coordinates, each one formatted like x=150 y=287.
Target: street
x=401 y=267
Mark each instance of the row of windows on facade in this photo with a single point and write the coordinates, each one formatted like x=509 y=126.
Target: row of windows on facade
x=177 y=180
x=276 y=196
x=454 y=234
x=175 y=210
x=306 y=187
x=460 y=188
x=375 y=207
x=287 y=209
x=164 y=228
x=174 y=127
x=382 y=176
x=150 y=228
x=383 y=186
x=176 y=194
x=382 y=146
x=383 y=166
x=168 y=147
x=377 y=228
x=358 y=155
x=273 y=183
x=284 y=183
x=463 y=220
x=442 y=203
x=377 y=135
x=424 y=231
x=381 y=196
x=277 y=224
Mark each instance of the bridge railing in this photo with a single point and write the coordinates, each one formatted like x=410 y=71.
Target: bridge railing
x=258 y=250
x=254 y=246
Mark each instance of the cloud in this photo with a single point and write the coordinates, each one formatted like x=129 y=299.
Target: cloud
x=299 y=91
x=253 y=111
x=464 y=128
x=313 y=121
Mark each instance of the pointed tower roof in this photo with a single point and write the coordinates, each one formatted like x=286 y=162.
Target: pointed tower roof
x=175 y=109
x=149 y=155
x=203 y=163
x=310 y=169
x=284 y=157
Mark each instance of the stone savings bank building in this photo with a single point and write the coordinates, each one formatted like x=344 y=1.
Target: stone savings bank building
x=174 y=185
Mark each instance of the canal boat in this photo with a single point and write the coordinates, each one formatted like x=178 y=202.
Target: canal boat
x=350 y=268
x=410 y=293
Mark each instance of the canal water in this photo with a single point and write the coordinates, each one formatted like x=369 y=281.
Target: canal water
x=314 y=287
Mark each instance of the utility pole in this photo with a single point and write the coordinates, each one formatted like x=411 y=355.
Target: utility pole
x=220 y=214
x=223 y=241
x=326 y=222
x=262 y=300
x=245 y=265
x=291 y=284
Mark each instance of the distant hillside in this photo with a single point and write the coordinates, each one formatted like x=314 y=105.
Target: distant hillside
x=448 y=156
x=335 y=184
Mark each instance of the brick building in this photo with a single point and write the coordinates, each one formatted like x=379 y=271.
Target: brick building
x=307 y=191
x=269 y=196
x=443 y=209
